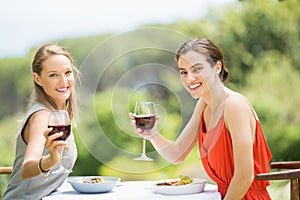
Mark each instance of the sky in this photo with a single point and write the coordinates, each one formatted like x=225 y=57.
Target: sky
x=26 y=24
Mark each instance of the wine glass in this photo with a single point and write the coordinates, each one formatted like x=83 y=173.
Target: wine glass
x=144 y=119
x=59 y=120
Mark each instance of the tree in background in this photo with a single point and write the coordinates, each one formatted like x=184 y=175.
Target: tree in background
x=261 y=44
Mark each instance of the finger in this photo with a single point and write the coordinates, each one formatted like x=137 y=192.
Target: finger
x=47 y=131
x=131 y=115
x=157 y=117
x=55 y=136
x=68 y=146
x=141 y=132
x=59 y=145
x=56 y=149
x=51 y=138
x=133 y=122
x=56 y=146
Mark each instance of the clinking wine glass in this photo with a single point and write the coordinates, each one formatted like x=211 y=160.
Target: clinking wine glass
x=145 y=120
x=59 y=120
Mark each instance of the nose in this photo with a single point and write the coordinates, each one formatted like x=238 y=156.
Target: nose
x=64 y=78
x=190 y=77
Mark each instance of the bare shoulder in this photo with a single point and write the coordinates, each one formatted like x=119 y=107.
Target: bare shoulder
x=38 y=120
x=237 y=105
x=236 y=100
x=239 y=118
x=36 y=124
x=40 y=116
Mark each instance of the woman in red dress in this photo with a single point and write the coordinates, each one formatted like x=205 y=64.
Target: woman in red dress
x=224 y=124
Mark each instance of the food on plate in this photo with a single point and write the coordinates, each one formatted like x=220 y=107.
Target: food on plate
x=94 y=180
x=184 y=180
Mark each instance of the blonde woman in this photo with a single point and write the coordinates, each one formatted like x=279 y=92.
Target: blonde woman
x=36 y=152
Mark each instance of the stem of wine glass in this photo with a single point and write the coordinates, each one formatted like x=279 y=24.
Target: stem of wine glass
x=144 y=146
x=61 y=158
x=143 y=156
x=61 y=167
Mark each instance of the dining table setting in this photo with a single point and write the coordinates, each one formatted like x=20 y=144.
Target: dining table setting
x=106 y=187
x=110 y=187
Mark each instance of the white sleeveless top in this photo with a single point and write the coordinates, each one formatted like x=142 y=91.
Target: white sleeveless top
x=36 y=188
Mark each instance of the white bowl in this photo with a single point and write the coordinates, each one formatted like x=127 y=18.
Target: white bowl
x=78 y=184
x=197 y=186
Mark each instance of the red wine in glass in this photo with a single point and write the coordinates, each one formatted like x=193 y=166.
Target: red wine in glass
x=59 y=120
x=145 y=122
x=66 y=129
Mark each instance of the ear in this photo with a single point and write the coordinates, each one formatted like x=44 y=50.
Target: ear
x=36 y=78
x=218 y=67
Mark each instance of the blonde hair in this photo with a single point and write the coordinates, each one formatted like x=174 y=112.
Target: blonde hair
x=38 y=93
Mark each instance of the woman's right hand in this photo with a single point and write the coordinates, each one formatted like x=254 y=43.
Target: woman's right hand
x=55 y=147
x=146 y=134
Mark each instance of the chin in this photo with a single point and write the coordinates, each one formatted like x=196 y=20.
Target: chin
x=64 y=98
x=195 y=96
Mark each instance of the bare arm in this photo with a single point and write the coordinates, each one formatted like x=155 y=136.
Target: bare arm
x=175 y=152
x=241 y=125
x=36 y=136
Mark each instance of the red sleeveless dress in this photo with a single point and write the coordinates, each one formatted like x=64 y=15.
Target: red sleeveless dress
x=217 y=157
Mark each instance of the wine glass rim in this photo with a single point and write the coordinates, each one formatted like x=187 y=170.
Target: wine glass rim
x=63 y=115
x=145 y=102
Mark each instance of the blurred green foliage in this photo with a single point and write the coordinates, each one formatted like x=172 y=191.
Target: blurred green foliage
x=261 y=49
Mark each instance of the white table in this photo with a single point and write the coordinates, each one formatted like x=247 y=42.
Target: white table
x=133 y=190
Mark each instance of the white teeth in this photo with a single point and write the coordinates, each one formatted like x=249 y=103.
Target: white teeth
x=62 y=89
x=194 y=86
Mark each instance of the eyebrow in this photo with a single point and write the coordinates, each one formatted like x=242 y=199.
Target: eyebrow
x=193 y=66
x=54 y=71
x=51 y=71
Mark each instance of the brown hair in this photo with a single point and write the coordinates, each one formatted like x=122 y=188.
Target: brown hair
x=208 y=48
x=38 y=93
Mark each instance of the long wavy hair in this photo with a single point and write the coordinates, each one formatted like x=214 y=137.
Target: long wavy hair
x=38 y=93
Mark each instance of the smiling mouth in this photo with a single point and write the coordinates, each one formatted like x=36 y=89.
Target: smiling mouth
x=195 y=86
x=62 y=89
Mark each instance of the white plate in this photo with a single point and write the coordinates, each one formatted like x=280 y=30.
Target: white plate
x=79 y=186
x=196 y=187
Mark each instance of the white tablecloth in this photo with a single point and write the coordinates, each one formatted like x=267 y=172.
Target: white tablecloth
x=133 y=190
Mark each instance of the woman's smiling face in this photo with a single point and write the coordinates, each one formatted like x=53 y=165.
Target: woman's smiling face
x=56 y=79
x=197 y=75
